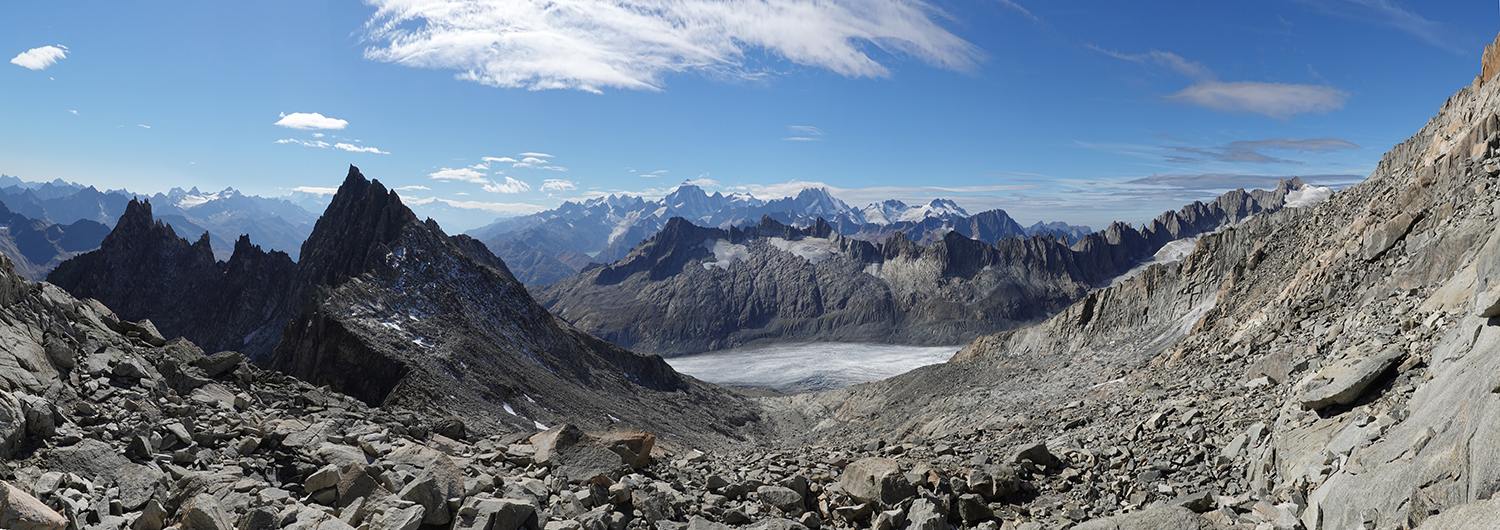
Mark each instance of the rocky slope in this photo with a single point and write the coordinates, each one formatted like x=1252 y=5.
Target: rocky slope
x=546 y=247
x=389 y=309
x=690 y=289
x=1325 y=367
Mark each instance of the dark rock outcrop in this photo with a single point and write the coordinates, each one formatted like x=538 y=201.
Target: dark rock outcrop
x=143 y=270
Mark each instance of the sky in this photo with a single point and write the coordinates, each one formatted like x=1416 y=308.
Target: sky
x=1077 y=111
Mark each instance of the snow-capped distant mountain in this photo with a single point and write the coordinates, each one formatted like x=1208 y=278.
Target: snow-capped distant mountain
x=274 y=223
x=548 y=246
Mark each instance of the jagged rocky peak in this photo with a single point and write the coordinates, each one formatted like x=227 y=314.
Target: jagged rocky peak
x=362 y=218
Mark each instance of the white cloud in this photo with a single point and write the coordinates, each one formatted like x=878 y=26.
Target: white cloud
x=313 y=190
x=318 y=135
x=542 y=155
x=513 y=208
x=310 y=120
x=462 y=174
x=75 y=113
x=558 y=185
x=412 y=188
x=143 y=126
x=1276 y=100
x=357 y=149
x=510 y=186
x=594 y=44
x=40 y=58
x=503 y=159
x=317 y=144
x=532 y=162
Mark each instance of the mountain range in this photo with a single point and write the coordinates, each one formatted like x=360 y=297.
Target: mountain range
x=545 y=247
x=390 y=310
x=277 y=223
x=690 y=289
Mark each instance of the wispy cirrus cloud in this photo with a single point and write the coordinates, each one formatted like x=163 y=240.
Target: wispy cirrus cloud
x=1160 y=58
x=315 y=190
x=310 y=121
x=1253 y=151
x=1227 y=181
x=40 y=58
x=804 y=133
x=632 y=44
x=1275 y=100
x=1389 y=13
x=1022 y=10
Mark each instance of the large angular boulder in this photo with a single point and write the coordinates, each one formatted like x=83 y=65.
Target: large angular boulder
x=20 y=511
x=1346 y=388
x=876 y=480
x=573 y=454
x=1385 y=236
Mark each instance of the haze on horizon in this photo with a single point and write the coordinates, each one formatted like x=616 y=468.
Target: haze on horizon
x=1083 y=113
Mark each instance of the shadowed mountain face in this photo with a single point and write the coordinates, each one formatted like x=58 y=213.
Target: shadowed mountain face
x=142 y=269
x=389 y=309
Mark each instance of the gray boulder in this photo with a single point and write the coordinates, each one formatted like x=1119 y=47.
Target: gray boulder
x=876 y=480
x=1347 y=387
x=20 y=511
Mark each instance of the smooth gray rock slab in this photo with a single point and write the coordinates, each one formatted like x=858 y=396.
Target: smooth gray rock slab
x=1347 y=388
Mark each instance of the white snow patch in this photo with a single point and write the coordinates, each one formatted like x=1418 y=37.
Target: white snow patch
x=528 y=398
x=808 y=367
x=1307 y=196
x=724 y=253
x=508 y=409
x=392 y=325
x=1172 y=252
x=539 y=425
x=814 y=250
x=613 y=418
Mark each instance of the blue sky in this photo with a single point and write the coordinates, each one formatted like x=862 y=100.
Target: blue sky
x=1079 y=111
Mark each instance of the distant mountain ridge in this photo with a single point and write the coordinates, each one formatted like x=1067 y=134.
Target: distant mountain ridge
x=277 y=223
x=546 y=247
x=690 y=289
